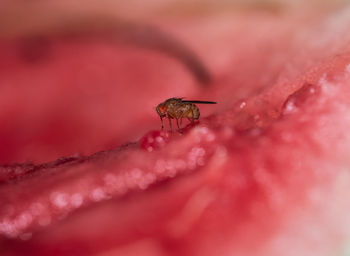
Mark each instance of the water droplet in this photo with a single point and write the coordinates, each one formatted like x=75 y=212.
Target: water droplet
x=23 y=220
x=97 y=194
x=148 y=179
x=242 y=105
x=179 y=164
x=136 y=173
x=289 y=107
x=160 y=166
x=76 y=200
x=60 y=200
x=154 y=140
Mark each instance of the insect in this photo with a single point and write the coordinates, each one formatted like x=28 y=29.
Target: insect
x=177 y=108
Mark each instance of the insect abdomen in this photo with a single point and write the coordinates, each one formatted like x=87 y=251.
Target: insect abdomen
x=195 y=112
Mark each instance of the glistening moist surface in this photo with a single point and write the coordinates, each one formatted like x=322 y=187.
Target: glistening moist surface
x=266 y=174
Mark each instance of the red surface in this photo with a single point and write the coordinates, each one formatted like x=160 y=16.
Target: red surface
x=265 y=172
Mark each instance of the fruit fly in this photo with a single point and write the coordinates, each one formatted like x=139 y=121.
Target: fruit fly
x=177 y=108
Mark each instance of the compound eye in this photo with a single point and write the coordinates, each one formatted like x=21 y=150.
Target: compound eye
x=162 y=109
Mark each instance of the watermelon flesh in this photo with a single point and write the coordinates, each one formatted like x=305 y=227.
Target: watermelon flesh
x=86 y=169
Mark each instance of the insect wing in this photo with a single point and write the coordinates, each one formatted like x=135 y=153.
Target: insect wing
x=199 y=102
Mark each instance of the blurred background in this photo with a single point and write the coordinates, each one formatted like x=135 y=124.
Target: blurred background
x=77 y=77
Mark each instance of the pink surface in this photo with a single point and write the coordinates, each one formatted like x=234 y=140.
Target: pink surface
x=265 y=172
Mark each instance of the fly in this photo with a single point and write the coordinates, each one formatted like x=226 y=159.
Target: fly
x=177 y=108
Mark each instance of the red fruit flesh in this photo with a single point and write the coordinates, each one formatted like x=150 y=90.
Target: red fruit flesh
x=265 y=174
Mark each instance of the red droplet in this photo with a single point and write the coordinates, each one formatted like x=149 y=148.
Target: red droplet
x=154 y=140
x=305 y=94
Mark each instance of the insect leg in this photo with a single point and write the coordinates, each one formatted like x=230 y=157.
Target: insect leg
x=182 y=115
x=161 y=119
x=171 y=128
x=177 y=122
